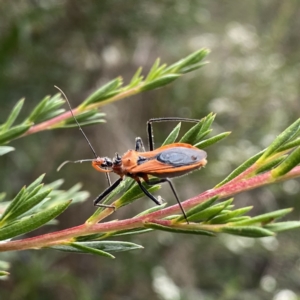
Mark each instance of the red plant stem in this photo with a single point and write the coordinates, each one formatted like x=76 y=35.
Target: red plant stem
x=49 y=124
x=52 y=122
x=67 y=235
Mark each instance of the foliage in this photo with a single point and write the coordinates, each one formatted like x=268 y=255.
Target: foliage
x=209 y=213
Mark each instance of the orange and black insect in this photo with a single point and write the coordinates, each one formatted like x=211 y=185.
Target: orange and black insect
x=168 y=161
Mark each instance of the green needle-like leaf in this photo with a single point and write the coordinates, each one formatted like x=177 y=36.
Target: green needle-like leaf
x=225 y=217
x=157 y=83
x=34 y=184
x=190 y=137
x=244 y=166
x=103 y=92
x=5 y=149
x=271 y=164
x=188 y=62
x=152 y=209
x=13 y=132
x=32 y=222
x=12 y=116
x=172 y=136
x=197 y=209
x=13 y=205
x=288 y=164
x=134 y=193
x=84 y=249
x=136 y=79
x=28 y=204
x=247 y=231
x=38 y=109
x=151 y=74
x=188 y=229
x=280 y=140
x=4 y=273
x=208 y=142
x=289 y=145
x=282 y=226
x=265 y=218
x=98 y=247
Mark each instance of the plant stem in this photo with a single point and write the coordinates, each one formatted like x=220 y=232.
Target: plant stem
x=49 y=124
x=67 y=235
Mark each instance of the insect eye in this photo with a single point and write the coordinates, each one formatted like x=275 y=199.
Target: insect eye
x=107 y=163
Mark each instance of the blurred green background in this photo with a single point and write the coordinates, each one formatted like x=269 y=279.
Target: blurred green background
x=252 y=83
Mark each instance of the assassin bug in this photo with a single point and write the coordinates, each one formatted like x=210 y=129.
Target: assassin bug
x=171 y=160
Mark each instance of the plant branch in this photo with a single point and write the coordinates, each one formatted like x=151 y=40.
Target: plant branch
x=67 y=235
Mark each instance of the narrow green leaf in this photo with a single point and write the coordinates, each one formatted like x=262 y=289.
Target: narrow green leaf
x=34 y=184
x=82 y=116
x=38 y=109
x=85 y=249
x=151 y=210
x=13 y=115
x=82 y=124
x=159 y=71
x=136 y=79
x=288 y=164
x=208 y=120
x=280 y=140
x=51 y=109
x=289 y=145
x=152 y=71
x=157 y=83
x=133 y=194
x=187 y=62
x=198 y=208
x=244 y=166
x=282 y=226
x=4 y=273
x=132 y=231
x=32 y=222
x=6 y=149
x=125 y=185
x=49 y=115
x=2 y=196
x=208 y=142
x=206 y=214
x=238 y=219
x=247 y=231
x=265 y=218
x=109 y=246
x=193 y=67
x=202 y=135
x=102 y=91
x=13 y=205
x=33 y=192
x=270 y=165
x=28 y=204
x=190 y=136
x=13 y=133
x=189 y=230
x=222 y=219
x=172 y=136
x=210 y=212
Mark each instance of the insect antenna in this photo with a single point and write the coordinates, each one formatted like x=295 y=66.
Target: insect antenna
x=86 y=138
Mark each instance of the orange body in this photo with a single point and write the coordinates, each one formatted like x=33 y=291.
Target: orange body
x=167 y=161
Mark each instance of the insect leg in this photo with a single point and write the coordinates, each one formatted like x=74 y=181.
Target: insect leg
x=146 y=192
x=166 y=119
x=139 y=145
x=105 y=193
x=162 y=180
